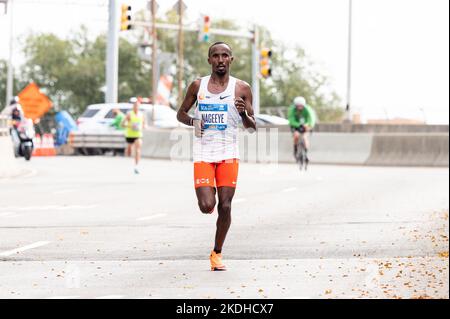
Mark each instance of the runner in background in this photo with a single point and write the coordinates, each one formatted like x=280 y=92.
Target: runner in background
x=134 y=124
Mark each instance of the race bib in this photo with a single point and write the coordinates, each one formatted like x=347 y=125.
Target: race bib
x=136 y=127
x=214 y=116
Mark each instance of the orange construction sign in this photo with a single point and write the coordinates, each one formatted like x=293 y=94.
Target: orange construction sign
x=34 y=103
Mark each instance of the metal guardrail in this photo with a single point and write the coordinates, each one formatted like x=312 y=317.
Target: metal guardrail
x=105 y=141
x=4 y=128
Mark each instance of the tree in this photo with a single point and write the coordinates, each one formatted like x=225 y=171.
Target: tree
x=72 y=71
x=3 y=80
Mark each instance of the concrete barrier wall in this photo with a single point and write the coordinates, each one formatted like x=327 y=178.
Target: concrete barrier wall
x=8 y=164
x=409 y=150
x=272 y=146
x=380 y=128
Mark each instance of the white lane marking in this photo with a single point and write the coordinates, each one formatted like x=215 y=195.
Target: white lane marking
x=64 y=297
x=6 y=214
x=111 y=297
x=21 y=249
x=288 y=190
x=49 y=207
x=239 y=200
x=151 y=217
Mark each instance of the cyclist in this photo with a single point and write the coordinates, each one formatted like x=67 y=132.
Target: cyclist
x=301 y=120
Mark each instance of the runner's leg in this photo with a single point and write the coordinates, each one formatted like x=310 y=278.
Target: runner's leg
x=206 y=199
x=226 y=195
x=204 y=180
x=137 y=153
x=129 y=146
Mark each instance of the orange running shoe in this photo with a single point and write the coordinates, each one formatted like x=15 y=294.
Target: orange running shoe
x=216 y=262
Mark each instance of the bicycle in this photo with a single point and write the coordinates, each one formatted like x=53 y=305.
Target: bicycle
x=302 y=154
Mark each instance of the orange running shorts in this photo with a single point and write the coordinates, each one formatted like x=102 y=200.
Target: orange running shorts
x=221 y=174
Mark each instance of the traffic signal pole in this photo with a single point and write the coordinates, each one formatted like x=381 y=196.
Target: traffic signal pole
x=112 y=54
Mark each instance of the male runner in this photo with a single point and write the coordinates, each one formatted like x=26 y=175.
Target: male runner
x=222 y=102
x=134 y=123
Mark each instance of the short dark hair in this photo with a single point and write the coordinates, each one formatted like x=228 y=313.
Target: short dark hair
x=218 y=43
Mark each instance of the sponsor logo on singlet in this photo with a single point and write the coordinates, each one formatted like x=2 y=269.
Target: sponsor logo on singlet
x=214 y=116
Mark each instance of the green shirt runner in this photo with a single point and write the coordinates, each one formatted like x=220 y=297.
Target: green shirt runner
x=305 y=116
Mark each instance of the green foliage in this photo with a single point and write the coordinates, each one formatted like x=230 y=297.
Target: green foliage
x=72 y=71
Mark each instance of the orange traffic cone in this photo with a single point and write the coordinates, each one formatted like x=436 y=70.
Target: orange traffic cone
x=37 y=143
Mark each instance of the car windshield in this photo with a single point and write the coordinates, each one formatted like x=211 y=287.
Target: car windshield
x=89 y=113
x=110 y=114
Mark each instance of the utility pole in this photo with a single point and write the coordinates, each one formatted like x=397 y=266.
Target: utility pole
x=349 y=62
x=255 y=70
x=180 y=53
x=112 y=54
x=10 y=76
x=155 y=64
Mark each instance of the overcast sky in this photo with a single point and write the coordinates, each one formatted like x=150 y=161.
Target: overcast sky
x=400 y=52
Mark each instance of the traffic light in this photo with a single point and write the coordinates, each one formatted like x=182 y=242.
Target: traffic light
x=205 y=29
x=265 y=63
x=125 y=18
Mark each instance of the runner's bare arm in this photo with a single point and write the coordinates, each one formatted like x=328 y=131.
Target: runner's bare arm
x=244 y=104
x=126 y=120
x=144 y=122
x=189 y=101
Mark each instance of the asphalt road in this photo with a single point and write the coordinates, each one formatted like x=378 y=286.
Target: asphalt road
x=87 y=227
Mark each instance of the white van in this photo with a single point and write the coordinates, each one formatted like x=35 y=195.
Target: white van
x=98 y=117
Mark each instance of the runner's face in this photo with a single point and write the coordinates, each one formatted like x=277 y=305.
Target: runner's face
x=300 y=107
x=220 y=59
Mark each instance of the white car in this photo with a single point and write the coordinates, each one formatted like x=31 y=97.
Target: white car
x=265 y=119
x=97 y=118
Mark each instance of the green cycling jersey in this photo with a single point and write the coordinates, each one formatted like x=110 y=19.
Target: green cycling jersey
x=304 y=117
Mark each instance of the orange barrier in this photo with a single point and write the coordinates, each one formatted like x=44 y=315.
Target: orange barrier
x=37 y=143
x=48 y=145
x=44 y=146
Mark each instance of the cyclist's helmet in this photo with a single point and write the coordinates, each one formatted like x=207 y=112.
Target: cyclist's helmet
x=299 y=100
x=14 y=100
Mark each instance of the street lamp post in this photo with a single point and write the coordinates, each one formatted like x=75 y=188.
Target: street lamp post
x=349 y=61
x=155 y=65
x=10 y=77
x=112 y=54
x=180 y=52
